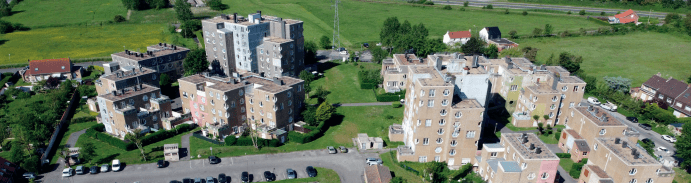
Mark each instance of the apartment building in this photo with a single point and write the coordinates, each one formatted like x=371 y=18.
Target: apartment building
x=668 y=92
x=228 y=105
x=573 y=143
x=267 y=45
x=163 y=58
x=118 y=78
x=594 y=122
x=395 y=71
x=618 y=160
x=139 y=106
x=518 y=157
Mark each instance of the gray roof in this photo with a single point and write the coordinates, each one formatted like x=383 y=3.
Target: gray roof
x=582 y=145
x=678 y=125
x=510 y=166
x=494 y=145
x=478 y=158
x=494 y=163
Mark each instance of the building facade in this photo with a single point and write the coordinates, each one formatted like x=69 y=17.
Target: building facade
x=518 y=157
x=621 y=161
x=62 y=69
x=666 y=93
x=163 y=58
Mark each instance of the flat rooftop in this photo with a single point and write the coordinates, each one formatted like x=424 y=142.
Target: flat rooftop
x=595 y=114
x=515 y=140
x=625 y=153
x=573 y=133
x=221 y=84
x=408 y=59
x=434 y=79
x=571 y=79
x=245 y=21
x=277 y=40
x=542 y=88
x=122 y=74
x=129 y=92
x=466 y=104
x=598 y=171
x=227 y=83
x=161 y=51
x=502 y=41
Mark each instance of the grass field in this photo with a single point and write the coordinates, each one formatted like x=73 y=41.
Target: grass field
x=342 y=81
x=636 y=56
x=81 y=42
x=681 y=175
x=349 y=122
x=361 y=21
x=606 y=4
x=45 y=13
x=398 y=171
x=323 y=175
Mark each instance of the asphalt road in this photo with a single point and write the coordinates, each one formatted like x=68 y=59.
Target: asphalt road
x=573 y=9
x=349 y=166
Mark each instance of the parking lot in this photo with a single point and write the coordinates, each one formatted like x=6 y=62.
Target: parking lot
x=349 y=167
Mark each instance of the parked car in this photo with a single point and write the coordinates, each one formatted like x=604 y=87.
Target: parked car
x=187 y=180
x=373 y=161
x=331 y=149
x=593 y=100
x=632 y=119
x=161 y=164
x=116 y=165
x=646 y=140
x=343 y=149
x=175 y=181
x=209 y=179
x=29 y=175
x=105 y=167
x=222 y=178
x=645 y=126
x=197 y=180
x=366 y=45
x=343 y=51
x=609 y=106
x=245 y=177
x=269 y=176
x=214 y=160
x=290 y=173
x=67 y=172
x=80 y=170
x=94 y=170
x=311 y=172
x=669 y=138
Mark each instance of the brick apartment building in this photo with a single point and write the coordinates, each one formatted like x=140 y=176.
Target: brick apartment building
x=57 y=68
x=162 y=58
x=228 y=105
x=668 y=92
x=617 y=160
x=129 y=98
x=518 y=157
x=267 y=45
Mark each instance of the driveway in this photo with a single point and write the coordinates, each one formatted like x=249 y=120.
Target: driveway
x=328 y=55
x=349 y=167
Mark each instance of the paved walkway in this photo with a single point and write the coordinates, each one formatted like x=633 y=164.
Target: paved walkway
x=56 y=169
x=185 y=147
x=363 y=104
x=72 y=140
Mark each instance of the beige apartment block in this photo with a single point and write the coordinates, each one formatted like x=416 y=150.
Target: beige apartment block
x=117 y=78
x=573 y=143
x=395 y=71
x=623 y=162
x=518 y=157
x=228 y=105
x=594 y=122
x=137 y=107
x=163 y=58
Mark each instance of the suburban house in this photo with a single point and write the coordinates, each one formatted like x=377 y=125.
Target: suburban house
x=492 y=35
x=676 y=128
x=518 y=157
x=7 y=171
x=377 y=174
x=628 y=16
x=666 y=93
x=61 y=68
x=451 y=38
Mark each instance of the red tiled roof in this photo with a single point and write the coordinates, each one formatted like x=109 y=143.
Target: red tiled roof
x=627 y=17
x=377 y=174
x=49 y=66
x=626 y=13
x=459 y=34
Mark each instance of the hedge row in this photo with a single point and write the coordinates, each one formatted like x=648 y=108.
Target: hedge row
x=83 y=119
x=368 y=85
x=407 y=168
x=97 y=132
x=308 y=137
x=165 y=134
x=200 y=136
x=575 y=171
x=564 y=155
x=390 y=97
x=247 y=141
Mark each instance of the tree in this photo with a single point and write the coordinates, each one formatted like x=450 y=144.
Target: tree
x=602 y=13
x=16 y=154
x=309 y=115
x=511 y=52
x=465 y=4
x=324 y=111
x=438 y=171
x=447 y=7
x=157 y=4
x=32 y=163
x=310 y=52
x=537 y=32
x=216 y=5
x=182 y=10
x=492 y=51
x=582 y=12
x=548 y=29
x=545 y=117
x=473 y=46
x=688 y=80
x=306 y=76
x=530 y=53
x=5 y=9
x=321 y=94
x=570 y=62
x=378 y=54
x=536 y=117
x=506 y=11
x=132 y=4
x=513 y=33
x=119 y=18
x=52 y=82
x=431 y=46
x=136 y=137
x=87 y=151
x=195 y=62
x=325 y=42
x=164 y=81
x=550 y=60
x=618 y=84
x=524 y=13
x=683 y=146
x=189 y=26
x=6 y=27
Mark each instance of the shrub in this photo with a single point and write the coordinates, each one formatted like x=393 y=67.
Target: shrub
x=462 y=9
x=390 y=97
x=564 y=155
x=506 y=11
x=524 y=13
x=582 y=12
x=396 y=105
x=119 y=18
x=576 y=168
x=489 y=6
x=82 y=119
x=447 y=7
x=602 y=13
x=230 y=140
x=465 y=4
x=428 y=3
x=568 y=13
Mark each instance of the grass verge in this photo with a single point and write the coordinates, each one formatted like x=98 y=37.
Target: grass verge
x=398 y=171
x=323 y=175
x=566 y=164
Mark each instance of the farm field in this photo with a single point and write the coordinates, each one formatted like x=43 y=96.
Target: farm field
x=636 y=55
x=45 y=13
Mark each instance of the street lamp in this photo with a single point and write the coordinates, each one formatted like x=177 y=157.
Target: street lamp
x=212 y=150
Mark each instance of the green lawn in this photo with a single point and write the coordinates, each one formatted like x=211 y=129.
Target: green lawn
x=398 y=171
x=681 y=175
x=566 y=164
x=349 y=122
x=44 y=13
x=71 y=129
x=548 y=139
x=81 y=41
x=361 y=21
x=323 y=175
x=83 y=111
x=606 y=4
x=636 y=56
x=342 y=81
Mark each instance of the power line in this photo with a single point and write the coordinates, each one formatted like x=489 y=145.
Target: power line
x=336 y=39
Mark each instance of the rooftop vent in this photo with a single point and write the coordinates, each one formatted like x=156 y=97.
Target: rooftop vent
x=532 y=146
x=538 y=150
x=617 y=140
x=543 y=67
x=624 y=144
x=634 y=152
x=278 y=81
x=590 y=108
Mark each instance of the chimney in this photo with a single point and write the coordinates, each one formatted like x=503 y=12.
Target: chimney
x=658 y=74
x=510 y=65
x=160 y=44
x=634 y=152
x=590 y=108
x=532 y=146
x=283 y=28
x=596 y=110
x=617 y=140
x=624 y=144
x=235 y=17
x=260 y=12
x=525 y=140
x=278 y=81
x=475 y=60
x=538 y=150
x=542 y=67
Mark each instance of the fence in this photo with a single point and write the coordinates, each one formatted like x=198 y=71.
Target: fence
x=66 y=116
x=200 y=136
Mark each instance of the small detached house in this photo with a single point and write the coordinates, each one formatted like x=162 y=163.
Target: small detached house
x=62 y=69
x=377 y=174
x=492 y=35
x=451 y=38
x=629 y=16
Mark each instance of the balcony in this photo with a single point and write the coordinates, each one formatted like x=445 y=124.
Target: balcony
x=665 y=172
x=520 y=116
x=126 y=110
x=160 y=100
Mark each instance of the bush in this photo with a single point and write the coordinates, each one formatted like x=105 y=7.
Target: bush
x=390 y=97
x=369 y=79
x=230 y=140
x=489 y=6
x=465 y=4
x=582 y=12
x=462 y=9
x=602 y=13
x=568 y=13
x=447 y=7
x=396 y=105
x=564 y=155
x=97 y=132
x=524 y=13
x=506 y=11
x=576 y=168
x=119 y=18
x=83 y=120
x=428 y=3
x=368 y=86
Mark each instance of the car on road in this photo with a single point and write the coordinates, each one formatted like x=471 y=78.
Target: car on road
x=105 y=167
x=291 y=174
x=343 y=51
x=647 y=140
x=660 y=148
x=29 y=175
x=197 y=180
x=669 y=138
x=632 y=119
x=343 y=149
x=311 y=172
x=245 y=177
x=209 y=179
x=269 y=176
x=214 y=160
x=161 y=164
x=94 y=170
x=80 y=170
x=609 y=106
x=187 y=180
x=373 y=161
x=593 y=100
x=331 y=149
x=67 y=172
x=645 y=126
x=222 y=178
x=116 y=165
x=175 y=181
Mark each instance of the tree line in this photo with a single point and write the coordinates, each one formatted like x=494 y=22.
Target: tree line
x=407 y=38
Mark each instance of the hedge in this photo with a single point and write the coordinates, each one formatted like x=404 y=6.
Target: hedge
x=247 y=141
x=396 y=105
x=308 y=137
x=575 y=171
x=390 y=97
x=368 y=85
x=564 y=155
x=97 y=132
x=83 y=119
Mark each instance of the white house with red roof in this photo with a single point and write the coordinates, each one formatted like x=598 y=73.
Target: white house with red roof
x=629 y=16
x=451 y=38
x=61 y=68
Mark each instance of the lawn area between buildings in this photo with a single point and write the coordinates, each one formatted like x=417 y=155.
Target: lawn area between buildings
x=83 y=41
x=681 y=175
x=636 y=55
x=71 y=129
x=347 y=121
x=323 y=175
x=566 y=164
x=398 y=171
x=341 y=80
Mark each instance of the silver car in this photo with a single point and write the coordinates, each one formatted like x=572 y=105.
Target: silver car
x=373 y=161
x=105 y=167
x=331 y=149
x=291 y=174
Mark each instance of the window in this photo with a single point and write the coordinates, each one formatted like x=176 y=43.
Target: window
x=554 y=99
x=650 y=180
x=443 y=112
x=633 y=181
x=514 y=87
x=240 y=92
x=545 y=175
x=456 y=132
x=470 y=134
x=446 y=92
x=261 y=104
x=564 y=88
x=422 y=93
x=552 y=107
x=440 y=131
x=454 y=143
x=225 y=97
x=145 y=98
x=428 y=122
x=531 y=176
x=575 y=89
x=585 y=153
x=633 y=171
x=524 y=166
x=458 y=114
x=439 y=140
x=437 y=158
x=571 y=105
x=603 y=131
x=417 y=141
x=595 y=146
x=275 y=99
x=661 y=96
x=493 y=154
x=687 y=108
x=431 y=93
x=444 y=102
x=551 y=114
x=669 y=100
x=430 y=103
x=679 y=104
x=442 y=122
x=452 y=152
x=425 y=141
x=422 y=159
